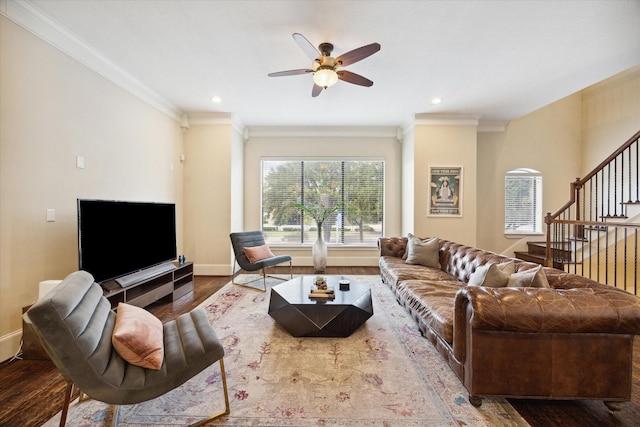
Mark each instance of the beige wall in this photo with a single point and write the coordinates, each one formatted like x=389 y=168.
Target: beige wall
x=547 y=140
x=610 y=116
x=564 y=140
x=447 y=144
x=213 y=192
x=53 y=109
x=375 y=143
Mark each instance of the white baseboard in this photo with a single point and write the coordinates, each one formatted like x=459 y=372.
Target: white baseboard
x=226 y=269
x=212 y=270
x=10 y=344
x=306 y=261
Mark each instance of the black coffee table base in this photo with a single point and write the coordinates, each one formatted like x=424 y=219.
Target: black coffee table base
x=304 y=317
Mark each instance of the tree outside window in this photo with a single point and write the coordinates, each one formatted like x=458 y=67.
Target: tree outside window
x=355 y=185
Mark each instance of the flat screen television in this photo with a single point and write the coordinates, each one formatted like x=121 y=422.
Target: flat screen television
x=117 y=238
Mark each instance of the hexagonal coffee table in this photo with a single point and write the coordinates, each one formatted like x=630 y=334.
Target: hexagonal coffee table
x=302 y=316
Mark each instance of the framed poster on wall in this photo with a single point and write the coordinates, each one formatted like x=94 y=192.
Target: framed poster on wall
x=445 y=191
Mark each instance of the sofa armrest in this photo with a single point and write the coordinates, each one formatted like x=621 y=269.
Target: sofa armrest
x=392 y=246
x=547 y=310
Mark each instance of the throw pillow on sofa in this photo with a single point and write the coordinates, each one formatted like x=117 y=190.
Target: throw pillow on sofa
x=533 y=278
x=406 y=249
x=492 y=275
x=423 y=252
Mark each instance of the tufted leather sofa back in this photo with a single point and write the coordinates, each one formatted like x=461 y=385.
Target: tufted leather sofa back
x=460 y=261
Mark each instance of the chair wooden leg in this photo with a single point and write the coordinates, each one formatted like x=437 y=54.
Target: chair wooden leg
x=67 y=400
x=227 y=409
x=68 y=393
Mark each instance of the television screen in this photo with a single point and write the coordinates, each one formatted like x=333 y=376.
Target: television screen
x=116 y=238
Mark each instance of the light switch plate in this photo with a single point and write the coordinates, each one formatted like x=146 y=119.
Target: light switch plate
x=51 y=215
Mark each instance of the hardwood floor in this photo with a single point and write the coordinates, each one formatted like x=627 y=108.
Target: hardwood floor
x=31 y=391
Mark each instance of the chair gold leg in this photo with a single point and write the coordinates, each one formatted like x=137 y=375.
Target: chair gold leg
x=246 y=285
x=67 y=400
x=264 y=277
x=227 y=409
x=116 y=415
x=279 y=278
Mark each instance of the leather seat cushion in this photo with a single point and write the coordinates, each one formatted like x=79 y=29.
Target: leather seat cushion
x=432 y=301
x=396 y=270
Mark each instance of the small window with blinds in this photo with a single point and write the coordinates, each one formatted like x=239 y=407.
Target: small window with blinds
x=523 y=202
x=355 y=187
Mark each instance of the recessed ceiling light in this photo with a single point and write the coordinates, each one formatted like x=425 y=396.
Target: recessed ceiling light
x=216 y=99
x=436 y=101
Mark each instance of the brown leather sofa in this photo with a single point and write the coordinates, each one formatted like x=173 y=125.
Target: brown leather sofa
x=573 y=340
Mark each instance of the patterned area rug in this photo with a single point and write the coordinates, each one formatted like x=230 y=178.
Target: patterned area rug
x=384 y=374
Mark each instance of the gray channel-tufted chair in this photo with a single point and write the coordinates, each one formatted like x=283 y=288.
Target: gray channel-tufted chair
x=75 y=322
x=242 y=239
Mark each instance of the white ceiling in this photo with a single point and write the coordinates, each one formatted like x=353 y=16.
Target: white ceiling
x=496 y=59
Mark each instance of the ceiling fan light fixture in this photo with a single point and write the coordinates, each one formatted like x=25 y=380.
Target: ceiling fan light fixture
x=325 y=77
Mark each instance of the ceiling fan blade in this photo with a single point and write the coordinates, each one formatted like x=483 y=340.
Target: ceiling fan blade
x=290 y=72
x=306 y=46
x=356 y=79
x=358 y=54
x=316 y=90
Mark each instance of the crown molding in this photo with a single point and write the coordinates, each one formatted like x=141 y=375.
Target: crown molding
x=435 y=119
x=324 y=132
x=33 y=20
x=213 y=118
x=492 y=126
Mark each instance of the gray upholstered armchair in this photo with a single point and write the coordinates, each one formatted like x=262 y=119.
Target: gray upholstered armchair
x=251 y=239
x=75 y=324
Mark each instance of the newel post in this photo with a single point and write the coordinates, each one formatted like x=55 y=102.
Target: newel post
x=579 y=229
x=548 y=219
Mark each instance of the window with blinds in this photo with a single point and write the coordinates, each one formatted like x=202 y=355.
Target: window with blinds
x=354 y=187
x=523 y=202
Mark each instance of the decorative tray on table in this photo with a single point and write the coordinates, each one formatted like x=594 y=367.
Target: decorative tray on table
x=320 y=289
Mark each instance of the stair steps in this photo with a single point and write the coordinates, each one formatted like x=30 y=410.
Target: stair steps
x=536 y=253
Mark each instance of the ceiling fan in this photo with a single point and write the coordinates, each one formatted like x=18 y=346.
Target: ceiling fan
x=325 y=68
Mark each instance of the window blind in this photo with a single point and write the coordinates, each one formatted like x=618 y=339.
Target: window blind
x=523 y=204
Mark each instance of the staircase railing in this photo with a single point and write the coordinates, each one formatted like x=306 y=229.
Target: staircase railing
x=600 y=224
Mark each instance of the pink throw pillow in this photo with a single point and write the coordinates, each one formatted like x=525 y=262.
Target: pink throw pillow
x=257 y=253
x=138 y=337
